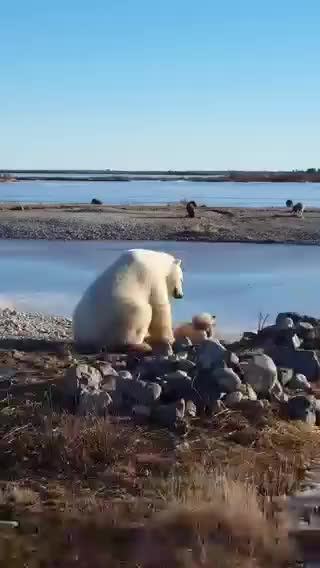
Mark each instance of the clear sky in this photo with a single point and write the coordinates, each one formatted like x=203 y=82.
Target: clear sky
x=168 y=84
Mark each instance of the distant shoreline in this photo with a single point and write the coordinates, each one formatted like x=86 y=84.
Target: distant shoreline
x=159 y=223
x=212 y=177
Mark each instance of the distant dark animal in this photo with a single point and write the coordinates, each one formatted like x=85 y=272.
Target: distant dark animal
x=298 y=209
x=95 y=201
x=191 y=209
x=289 y=203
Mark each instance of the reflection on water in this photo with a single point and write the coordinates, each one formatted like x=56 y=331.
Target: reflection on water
x=233 y=281
x=154 y=192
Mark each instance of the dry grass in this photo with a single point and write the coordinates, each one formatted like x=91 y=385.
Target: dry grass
x=95 y=492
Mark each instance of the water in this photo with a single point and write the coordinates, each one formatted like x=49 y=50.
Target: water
x=222 y=194
x=233 y=281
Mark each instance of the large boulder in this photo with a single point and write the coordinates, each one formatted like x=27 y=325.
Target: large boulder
x=301 y=361
x=211 y=354
x=261 y=373
x=227 y=380
x=138 y=392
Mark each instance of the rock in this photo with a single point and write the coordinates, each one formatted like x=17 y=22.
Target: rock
x=142 y=411
x=109 y=384
x=261 y=373
x=167 y=415
x=302 y=408
x=211 y=354
x=176 y=375
x=227 y=380
x=126 y=375
x=139 y=392
x=248 y=392
x=287 y=338
x=186 y=365
x=191 y=409
x=254 y=408
x=285 y=375
x=206 y=388
x=317 y=410
x=182 y=345
x=284 y=322
x=81 y=377
x=233 y=398
x=299 y=381
x=93 y=403
x=304 y=328
x=106 y=369
x=301 y=361
x=297 y=318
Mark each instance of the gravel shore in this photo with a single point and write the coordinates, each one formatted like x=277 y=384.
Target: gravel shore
x=273 y=225
x=33 y=326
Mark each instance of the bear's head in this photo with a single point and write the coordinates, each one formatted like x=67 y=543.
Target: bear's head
x=175 y=280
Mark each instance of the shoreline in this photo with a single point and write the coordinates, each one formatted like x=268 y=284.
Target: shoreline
x=159 y=223
x=312 y=176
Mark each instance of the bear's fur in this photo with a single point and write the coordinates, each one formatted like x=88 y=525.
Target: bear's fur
x=130 y=301
x=201 y=327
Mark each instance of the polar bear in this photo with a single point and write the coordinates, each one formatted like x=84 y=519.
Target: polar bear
x=130 y=301
x=201 y=327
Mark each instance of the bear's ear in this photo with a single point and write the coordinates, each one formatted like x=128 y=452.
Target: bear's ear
x=177 y=261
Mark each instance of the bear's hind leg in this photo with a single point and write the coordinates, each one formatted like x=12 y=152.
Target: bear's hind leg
x=133 y=326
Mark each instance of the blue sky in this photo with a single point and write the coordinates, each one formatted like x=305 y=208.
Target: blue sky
x=162 y=84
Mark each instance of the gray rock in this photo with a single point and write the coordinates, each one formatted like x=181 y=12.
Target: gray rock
x=191 y=409
x=81 y=377
x=302 y=361
x=207 y=389
x=233 y=398
x=167 y=415
x=177 y=385
x=93 y=403
x=139 y=392
x=302 y=408
x=284 y=322
x=248 y=392
x=304 y=328
x=182 y=345
x=186 y=365
x=141 y=411
x=317 y=410
x=227 y=380
x=211 y=354
x=299 y=381
x=109 y=383
x=106 y=369
x=285 y=375
x=176 y=375
x=261 y=373
x=124 y=374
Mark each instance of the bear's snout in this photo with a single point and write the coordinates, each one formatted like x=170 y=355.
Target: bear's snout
x=177 y=294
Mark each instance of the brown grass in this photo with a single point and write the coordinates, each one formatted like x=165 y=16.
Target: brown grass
x=95 y=492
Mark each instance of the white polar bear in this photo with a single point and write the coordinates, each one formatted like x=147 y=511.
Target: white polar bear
x=130 y=301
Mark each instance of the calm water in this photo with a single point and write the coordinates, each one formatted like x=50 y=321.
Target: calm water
x=157 y=192
x=233 y=281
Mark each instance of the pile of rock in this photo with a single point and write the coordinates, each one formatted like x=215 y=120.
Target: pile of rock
x=169 y=389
